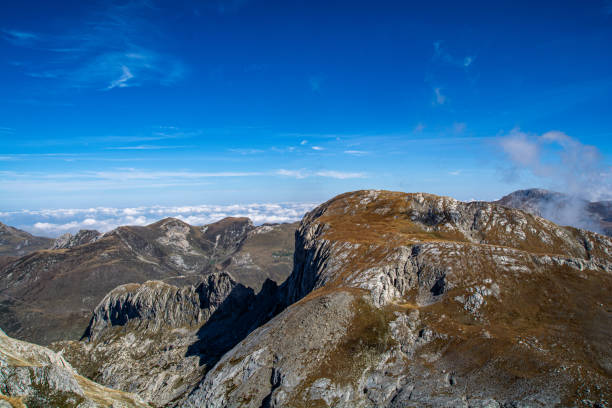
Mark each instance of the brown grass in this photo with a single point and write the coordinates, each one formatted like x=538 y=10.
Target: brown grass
x=16 y=402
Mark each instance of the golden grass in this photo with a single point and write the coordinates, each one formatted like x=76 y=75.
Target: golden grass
x=16 y=402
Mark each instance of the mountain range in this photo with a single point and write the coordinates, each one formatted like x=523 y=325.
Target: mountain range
x=375 y=299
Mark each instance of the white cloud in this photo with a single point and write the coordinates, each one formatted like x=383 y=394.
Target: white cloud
x=564 y=162
x=122 y=81
x=318 y=148
x=521 y=148
x=339 y=174
x=299 y=174
x=440 y=98
x=356 y=152
x=303 y=142
x=54 y=222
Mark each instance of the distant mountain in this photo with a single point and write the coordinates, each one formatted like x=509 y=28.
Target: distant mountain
x=15 y=242
x=50 y=294
x=34 y=376
x=395 y=300
x=563 y=209
x=80 y=238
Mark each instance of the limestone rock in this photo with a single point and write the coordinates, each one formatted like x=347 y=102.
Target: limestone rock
x=34 y=376
x=82 y=237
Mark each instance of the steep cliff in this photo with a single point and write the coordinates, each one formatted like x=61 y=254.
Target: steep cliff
x=159 y=340
x=417 y=300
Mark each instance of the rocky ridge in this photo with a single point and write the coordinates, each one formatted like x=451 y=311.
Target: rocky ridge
x=417 y=300
x=395 y=300
x=80 y=238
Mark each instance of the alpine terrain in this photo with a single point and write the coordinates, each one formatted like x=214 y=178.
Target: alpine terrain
x=395 y=300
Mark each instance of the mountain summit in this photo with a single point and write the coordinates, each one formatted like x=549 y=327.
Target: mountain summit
x=395 y=300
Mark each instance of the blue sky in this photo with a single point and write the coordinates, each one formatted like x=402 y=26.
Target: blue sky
x=143 y=103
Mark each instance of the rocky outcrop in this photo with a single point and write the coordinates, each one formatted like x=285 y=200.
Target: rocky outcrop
x=80 y=238
x=34 y=376
x=15 y=242
x=418 y=300
x=159 y=340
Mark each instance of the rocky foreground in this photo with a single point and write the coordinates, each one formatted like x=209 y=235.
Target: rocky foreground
x=395 y=300
x=34 y=376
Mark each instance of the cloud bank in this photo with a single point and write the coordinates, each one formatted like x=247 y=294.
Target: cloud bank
x=55 y=222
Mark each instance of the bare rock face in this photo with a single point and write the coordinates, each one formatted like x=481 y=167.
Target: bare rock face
x=416 y=300
x=34 y=376
x=82 y=237
x=159 y=340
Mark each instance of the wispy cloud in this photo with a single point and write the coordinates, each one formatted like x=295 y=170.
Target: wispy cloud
x=356 y=152
x=110 y=49
x=442 y=54
x=440 y=99
x=340 y=174
x=299 y=174
x=122 y=81
x=302 y=173
x=148 y=147
x=16 y=37
x=318 y=148
x=246 y=151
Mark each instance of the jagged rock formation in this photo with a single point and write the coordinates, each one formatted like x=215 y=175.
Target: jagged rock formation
x=35 y=376
x=82 y=237
x=417 y=300
x=15 y=242
x=159 y=340
x=49 y=295
x=563 y=209
x=395 y=300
